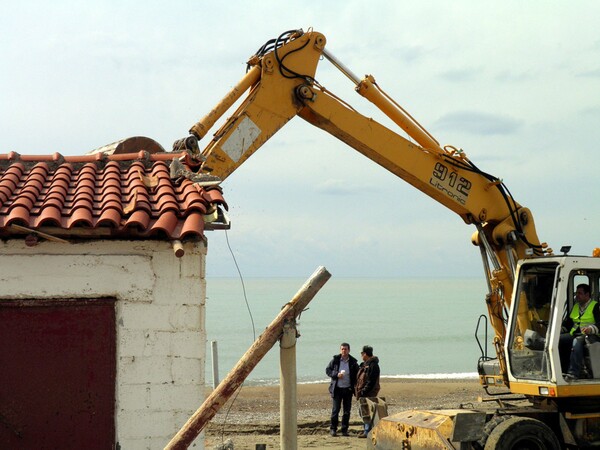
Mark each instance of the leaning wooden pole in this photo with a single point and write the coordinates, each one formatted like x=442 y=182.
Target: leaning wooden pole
x=196 y=423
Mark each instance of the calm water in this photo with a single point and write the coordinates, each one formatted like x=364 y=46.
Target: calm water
x=416 y=326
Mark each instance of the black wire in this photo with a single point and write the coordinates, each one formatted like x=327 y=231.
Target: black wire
x=282 y=67
x=274 y=45
x=266 y=48
x=243 y=285
x=471 y=167
x=506 y=195
x=253 y=333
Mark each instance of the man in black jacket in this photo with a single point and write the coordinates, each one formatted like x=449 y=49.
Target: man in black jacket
x=342 y=370
x=367 y=384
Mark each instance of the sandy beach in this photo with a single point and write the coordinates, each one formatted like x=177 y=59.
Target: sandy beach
x=253 y=416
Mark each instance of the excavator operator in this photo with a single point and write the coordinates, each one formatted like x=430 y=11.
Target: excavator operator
x=582 y=325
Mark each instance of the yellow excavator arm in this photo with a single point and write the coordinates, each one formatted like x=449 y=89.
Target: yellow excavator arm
x=280 y=84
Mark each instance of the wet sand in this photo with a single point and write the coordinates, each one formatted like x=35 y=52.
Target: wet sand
x=253 y=416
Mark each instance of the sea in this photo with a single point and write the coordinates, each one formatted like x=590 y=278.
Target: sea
x=418 y=327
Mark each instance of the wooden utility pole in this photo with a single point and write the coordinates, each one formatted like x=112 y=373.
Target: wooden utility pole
x=196 y=423
x=288 y=402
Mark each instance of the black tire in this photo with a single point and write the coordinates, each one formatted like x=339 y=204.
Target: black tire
x=487 y=429
x=522 y=433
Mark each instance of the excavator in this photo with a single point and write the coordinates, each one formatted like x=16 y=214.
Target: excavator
x=530 y=289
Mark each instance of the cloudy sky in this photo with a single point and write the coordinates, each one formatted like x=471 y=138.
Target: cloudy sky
x=515 y=84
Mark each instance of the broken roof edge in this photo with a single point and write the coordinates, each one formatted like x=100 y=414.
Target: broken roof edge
x=58 y=159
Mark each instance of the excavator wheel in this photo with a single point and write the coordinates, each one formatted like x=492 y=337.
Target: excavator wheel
x=522 y=433
x=487 y=429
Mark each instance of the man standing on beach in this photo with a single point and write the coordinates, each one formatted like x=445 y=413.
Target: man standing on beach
x=342 y=370
x=367 y=384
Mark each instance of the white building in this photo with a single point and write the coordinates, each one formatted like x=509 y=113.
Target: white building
x=102 y=336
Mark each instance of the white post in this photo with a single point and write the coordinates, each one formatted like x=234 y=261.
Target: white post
x=215 y=363
x=287 y=388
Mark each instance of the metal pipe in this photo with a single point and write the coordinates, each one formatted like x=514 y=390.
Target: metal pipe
x=214 y=353
x=486 y=267
x=488 y=247
x=341 y=67
x=368 y=89
x=510 y=259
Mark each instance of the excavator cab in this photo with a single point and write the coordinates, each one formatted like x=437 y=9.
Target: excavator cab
x=543 y=298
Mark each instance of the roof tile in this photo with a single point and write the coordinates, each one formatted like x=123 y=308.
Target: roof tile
x=130 y=196
x=49 y=216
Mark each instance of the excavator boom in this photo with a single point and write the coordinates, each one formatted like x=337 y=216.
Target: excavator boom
x=280 y=84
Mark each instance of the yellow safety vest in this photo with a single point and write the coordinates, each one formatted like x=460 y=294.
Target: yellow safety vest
x=585 y=319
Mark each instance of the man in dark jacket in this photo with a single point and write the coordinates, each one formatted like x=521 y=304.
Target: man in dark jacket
x=342 y=370
x=367 y=383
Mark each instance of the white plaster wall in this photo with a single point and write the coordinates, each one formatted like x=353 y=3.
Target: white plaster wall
x=161 y=335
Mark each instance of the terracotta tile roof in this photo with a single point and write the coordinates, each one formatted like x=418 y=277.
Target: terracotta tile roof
x=103 y=196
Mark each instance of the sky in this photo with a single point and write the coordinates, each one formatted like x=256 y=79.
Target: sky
x=515 y=84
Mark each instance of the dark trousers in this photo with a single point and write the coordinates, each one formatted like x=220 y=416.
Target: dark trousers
x=342 y=399
x=565 y=344
x=572 y=352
